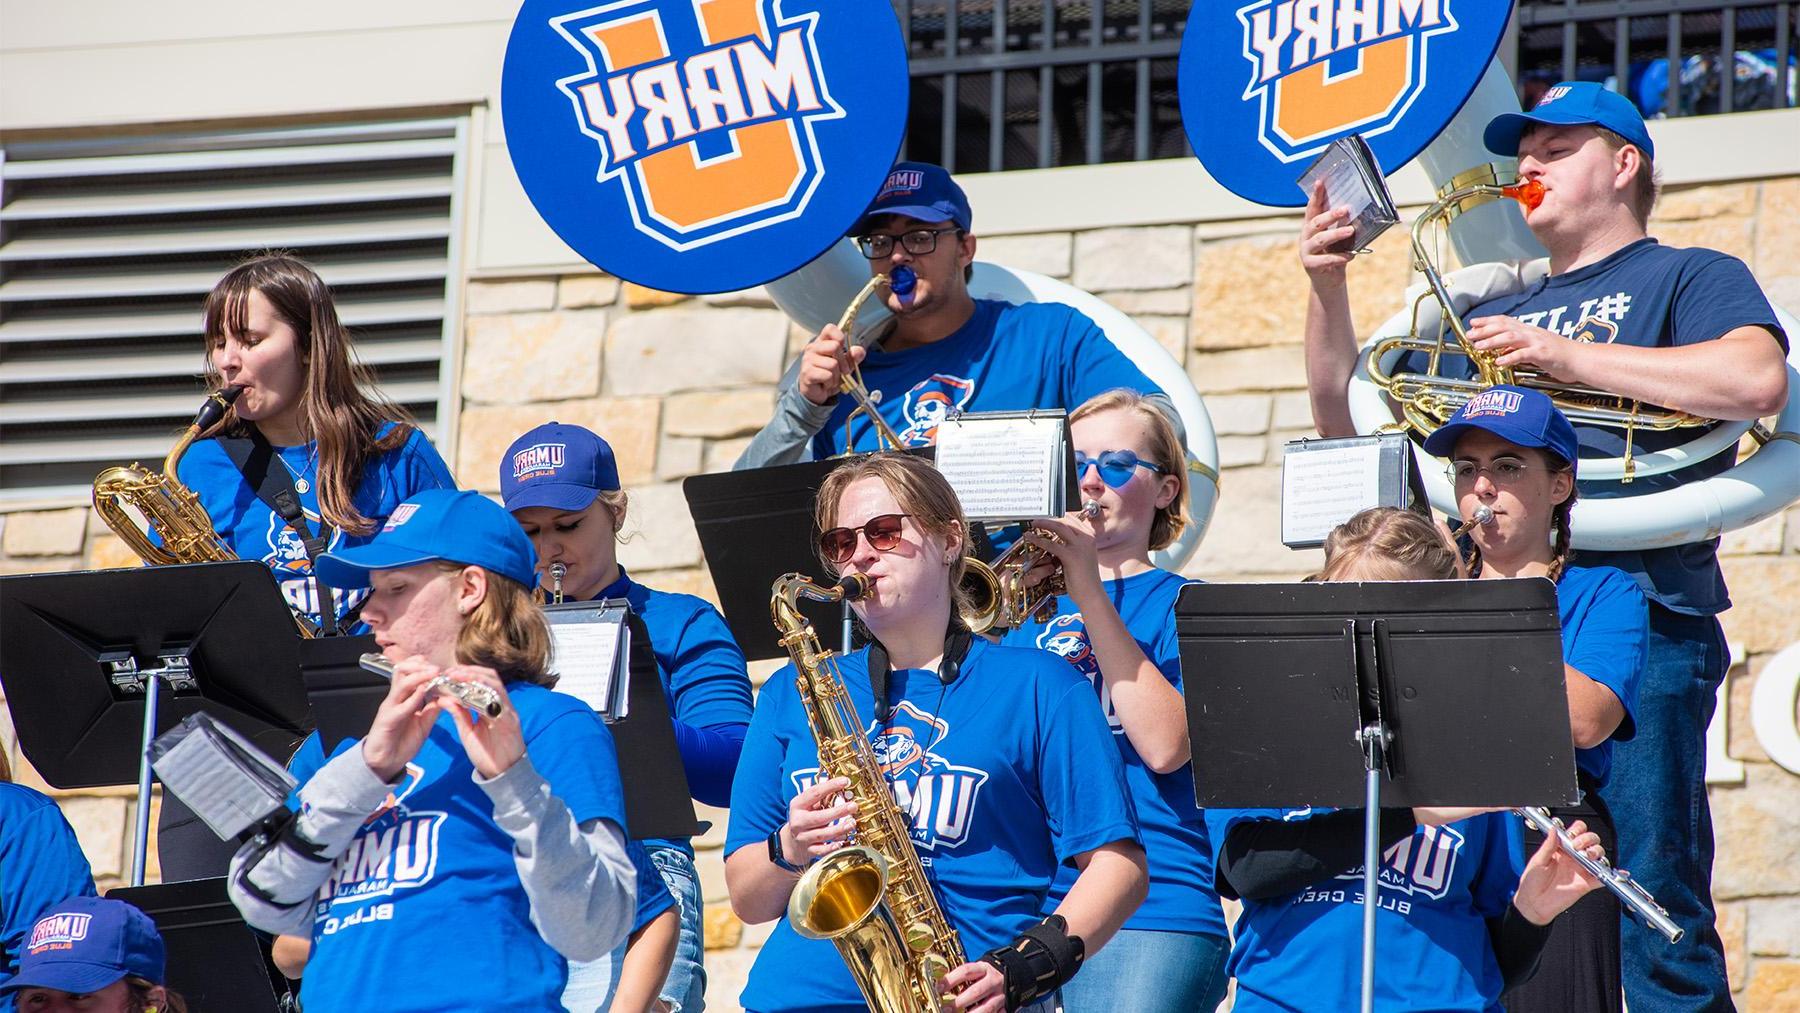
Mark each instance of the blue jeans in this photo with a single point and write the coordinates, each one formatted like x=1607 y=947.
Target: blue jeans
x=1657 y=793
x=1146 y=971
x=591 y=985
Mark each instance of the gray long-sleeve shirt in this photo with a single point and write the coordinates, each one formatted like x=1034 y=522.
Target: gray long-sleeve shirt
x=578 y=879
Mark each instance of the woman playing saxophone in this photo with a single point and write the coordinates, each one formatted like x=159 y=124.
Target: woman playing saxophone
x=998 y=756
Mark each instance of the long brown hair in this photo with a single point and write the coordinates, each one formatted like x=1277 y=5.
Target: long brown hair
x=1388 y=543
x=1166 y=450
x=507 y=632
x=921 y=492
x=338 y=407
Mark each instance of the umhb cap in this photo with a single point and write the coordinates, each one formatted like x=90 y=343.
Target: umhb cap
x=456 y=526
x=1568 y=104
x=85 y=944
x=557 y=466
x=1517 y=415
x=923 y=191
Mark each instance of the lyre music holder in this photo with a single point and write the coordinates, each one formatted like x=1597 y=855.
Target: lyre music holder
x=98 y=663
x=1408 y=693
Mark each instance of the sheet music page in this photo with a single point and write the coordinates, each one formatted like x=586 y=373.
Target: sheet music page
x=1002 y=469
x=1322 y=487
x=587 y=660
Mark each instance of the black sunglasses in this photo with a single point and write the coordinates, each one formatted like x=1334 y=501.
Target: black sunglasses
x=883 y=532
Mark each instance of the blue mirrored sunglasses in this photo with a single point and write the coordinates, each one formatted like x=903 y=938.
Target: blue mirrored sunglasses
x=1116 y=466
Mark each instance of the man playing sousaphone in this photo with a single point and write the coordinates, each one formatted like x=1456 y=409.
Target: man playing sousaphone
x=1687 y=329
x=946 y=351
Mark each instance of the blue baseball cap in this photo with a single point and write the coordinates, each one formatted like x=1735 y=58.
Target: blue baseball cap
x=1517 y=415
x=84 y=944
x=919 y=190
x=558 y=466
x=457 y=526
x=1568 y=104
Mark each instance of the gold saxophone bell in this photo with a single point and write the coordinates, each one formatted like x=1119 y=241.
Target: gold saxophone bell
x=1427 y=400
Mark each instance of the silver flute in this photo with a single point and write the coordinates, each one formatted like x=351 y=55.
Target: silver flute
x=473 y=695
x=1618 y=881
x=557 y=572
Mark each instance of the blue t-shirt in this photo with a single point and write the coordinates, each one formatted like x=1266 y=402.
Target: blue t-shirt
x=653 y=896
x=41 y=865
x=705 y=678
x=1007 y=772
x=1303 y=952
x=1606 y=637
x=1175 y=843
x=1653 y=296
x=1005 y=358
x=430 y=878
x=254 y=531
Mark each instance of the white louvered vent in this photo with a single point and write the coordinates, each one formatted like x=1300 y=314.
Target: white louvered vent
x=108 y=248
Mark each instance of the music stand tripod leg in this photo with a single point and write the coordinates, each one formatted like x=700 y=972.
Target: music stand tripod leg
x=140 y=847
x=1373 y=739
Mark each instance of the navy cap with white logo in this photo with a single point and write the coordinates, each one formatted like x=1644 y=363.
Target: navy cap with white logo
x=919 y=190
x=1518 y=415
x=456 y=526
x=558 y=466
x=84 y=944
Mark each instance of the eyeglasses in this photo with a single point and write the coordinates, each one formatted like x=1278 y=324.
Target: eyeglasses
x=1505 y=471
x=883 y=533
x=918 y=242
x=1116 y=466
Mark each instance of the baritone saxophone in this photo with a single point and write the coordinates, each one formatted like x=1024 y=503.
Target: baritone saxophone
x=870 y=897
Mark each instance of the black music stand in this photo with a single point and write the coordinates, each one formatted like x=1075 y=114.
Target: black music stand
x=1450 y=692
x=98 y=663
x=216 y=962
x=754 y=526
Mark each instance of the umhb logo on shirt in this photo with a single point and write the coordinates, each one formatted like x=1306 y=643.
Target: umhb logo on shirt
x=1423 y=865
x=1066 y=637
x=58 y=931
x=703 y=110
x=286 y=556
x=1492 y=402
x=397 y=848
x=939 y=796
x=539 y=460
x=929 y=403
x=1596 y=319
x=1323 y=68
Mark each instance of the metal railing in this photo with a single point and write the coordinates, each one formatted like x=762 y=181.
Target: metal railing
x=1022 y=84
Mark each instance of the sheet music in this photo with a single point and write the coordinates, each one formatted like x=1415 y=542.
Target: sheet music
x=1322 y=487
x=228 y=782
x=1003 y=468
x=587 y=660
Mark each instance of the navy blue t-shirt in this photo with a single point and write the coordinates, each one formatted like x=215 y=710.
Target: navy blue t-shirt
x=1180 y=856
x=41 y=865
x=1653 y=296
x=1007 y=772
x=1005 y=358
x=1606 y=637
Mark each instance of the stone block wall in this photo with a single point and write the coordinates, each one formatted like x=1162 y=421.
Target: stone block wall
x=678 y=385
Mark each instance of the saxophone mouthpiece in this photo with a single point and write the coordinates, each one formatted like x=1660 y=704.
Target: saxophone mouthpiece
x=214 y=408
x=854 y=586
x=902 y=282
x=1484 y=514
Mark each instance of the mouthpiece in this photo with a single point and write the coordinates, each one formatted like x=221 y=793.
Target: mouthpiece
x=1090 y=508
x=557 y=572
x=216 y=405
x=1484 y=514
x=902 y=281
x=1528 y=192
x=854 y=586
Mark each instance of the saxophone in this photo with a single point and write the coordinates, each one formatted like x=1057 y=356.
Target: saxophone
x=871 y=898
x=170 y=508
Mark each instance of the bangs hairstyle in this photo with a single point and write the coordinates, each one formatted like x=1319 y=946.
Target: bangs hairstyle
x=337 y=409
x=920 y=490
x=1388 y=543
x=1166 y=452
x=507 y=632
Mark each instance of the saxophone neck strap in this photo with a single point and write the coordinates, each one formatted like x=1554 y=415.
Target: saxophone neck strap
x=881 y=670
x=273 y=483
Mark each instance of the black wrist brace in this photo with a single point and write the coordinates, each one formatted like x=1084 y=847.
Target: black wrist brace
x=1039 y=962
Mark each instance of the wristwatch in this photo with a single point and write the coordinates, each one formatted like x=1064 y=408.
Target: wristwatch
x=775 y=854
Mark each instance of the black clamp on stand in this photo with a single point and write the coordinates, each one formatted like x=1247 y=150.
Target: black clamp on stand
x=1410 y=693
x=98 y=663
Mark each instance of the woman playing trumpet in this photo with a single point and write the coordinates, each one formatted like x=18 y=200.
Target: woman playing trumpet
x=498 y=842
x=1116 y=625
x=998 y=754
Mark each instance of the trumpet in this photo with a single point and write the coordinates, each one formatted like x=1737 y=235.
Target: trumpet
x=1618 y=881
x=997 y=593
x=472 y=695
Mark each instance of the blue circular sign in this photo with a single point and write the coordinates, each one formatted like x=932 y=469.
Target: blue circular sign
x=703 y=147
x=1266 y=85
